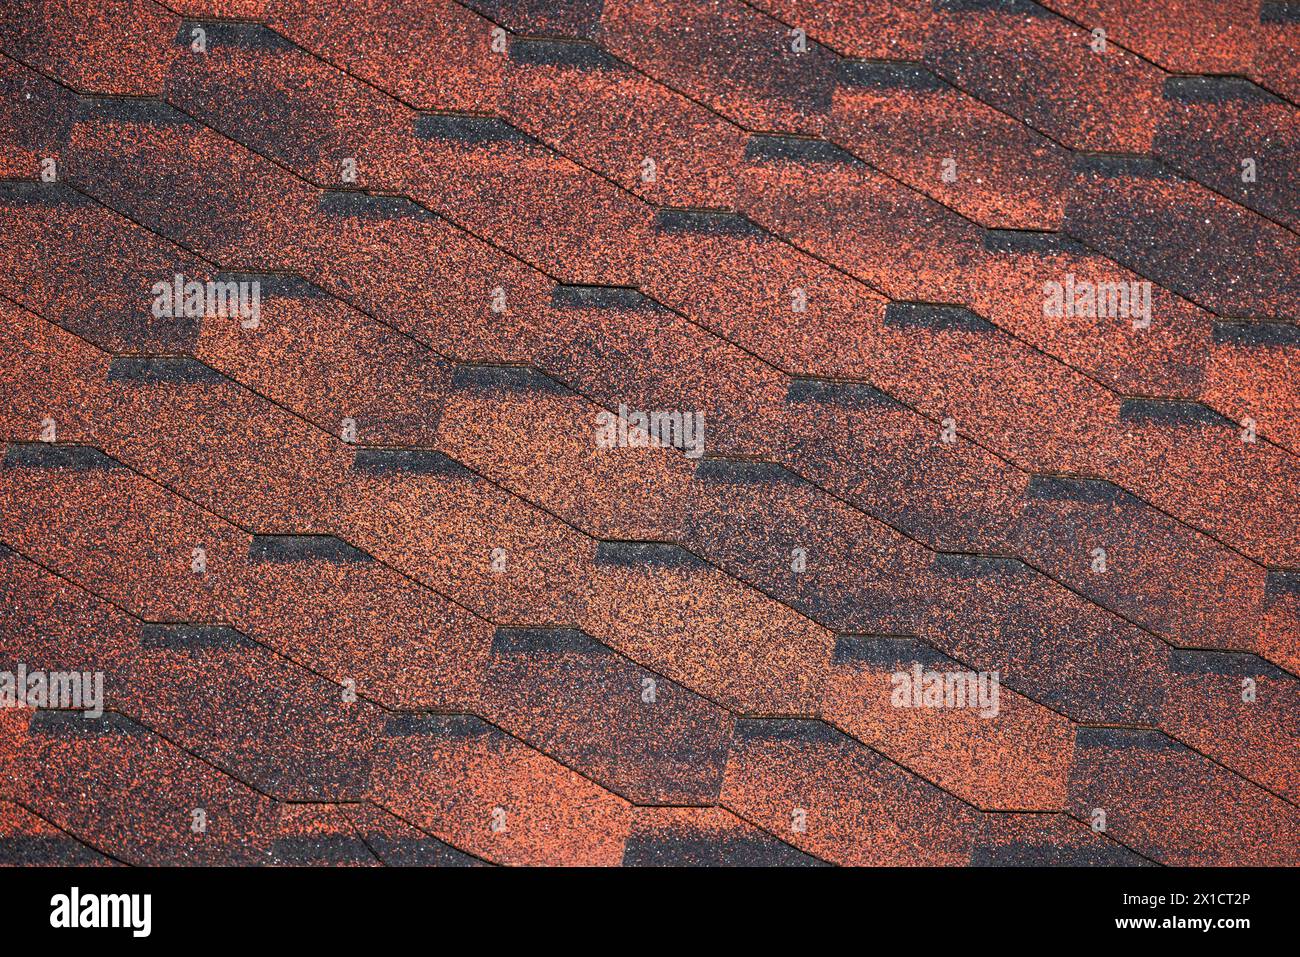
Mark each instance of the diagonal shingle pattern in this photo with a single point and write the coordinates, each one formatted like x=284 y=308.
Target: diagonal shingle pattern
x=365 y=590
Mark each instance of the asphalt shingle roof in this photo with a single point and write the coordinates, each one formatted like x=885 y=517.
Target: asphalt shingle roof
x=363 y=582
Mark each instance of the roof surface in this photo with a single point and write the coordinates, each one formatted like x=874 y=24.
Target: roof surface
x=385 y=570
